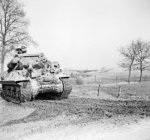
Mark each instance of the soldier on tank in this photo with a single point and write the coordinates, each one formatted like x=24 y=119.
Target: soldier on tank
x=15 y=63
x=21 y=49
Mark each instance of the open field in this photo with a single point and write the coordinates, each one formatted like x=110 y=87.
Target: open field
x=88 y=111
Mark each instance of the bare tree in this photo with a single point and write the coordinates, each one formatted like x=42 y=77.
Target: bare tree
x=13 y=28
x=128 y=53
x=142 y=57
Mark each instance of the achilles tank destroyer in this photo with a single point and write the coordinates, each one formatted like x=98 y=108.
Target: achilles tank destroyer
x=32 y=75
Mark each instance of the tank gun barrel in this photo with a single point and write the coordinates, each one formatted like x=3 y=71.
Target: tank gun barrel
x=32 y=55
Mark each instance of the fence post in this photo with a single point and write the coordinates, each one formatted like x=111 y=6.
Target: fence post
x=116 y=80
x=98 y=89
x=119 y=91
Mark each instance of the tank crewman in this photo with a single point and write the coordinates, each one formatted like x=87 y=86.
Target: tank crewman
x=55 y=67
x=18 y=50
x=21 y=49
x=45 y=65
x=48 y=64
x=15 y=63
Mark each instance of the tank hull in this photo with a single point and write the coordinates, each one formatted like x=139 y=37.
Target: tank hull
x=22 y=91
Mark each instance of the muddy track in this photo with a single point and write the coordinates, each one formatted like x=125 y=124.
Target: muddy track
x=85 y=109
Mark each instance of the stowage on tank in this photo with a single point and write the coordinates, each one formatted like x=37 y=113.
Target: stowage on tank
x=30 y=75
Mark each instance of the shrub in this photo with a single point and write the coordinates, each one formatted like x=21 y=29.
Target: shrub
x=79 y=80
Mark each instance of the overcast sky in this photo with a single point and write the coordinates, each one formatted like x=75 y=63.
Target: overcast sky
x=86 y=34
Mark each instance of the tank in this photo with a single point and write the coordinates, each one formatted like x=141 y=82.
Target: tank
x=32 y=75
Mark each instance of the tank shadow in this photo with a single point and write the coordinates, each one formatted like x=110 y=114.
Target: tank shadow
x=47 y=96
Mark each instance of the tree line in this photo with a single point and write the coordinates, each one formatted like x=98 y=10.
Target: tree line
x=135 y=56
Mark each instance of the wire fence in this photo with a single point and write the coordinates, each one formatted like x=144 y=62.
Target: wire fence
x=116 y=85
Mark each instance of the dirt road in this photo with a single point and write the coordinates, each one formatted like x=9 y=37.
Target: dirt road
x=60 y=128
x=139 y=131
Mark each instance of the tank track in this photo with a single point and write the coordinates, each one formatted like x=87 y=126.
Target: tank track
x=12 y=93
x=67 y=88
x=16 y=94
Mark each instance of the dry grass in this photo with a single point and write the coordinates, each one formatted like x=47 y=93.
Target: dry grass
x=133 y=91
x=138 y=91
x=110 y=77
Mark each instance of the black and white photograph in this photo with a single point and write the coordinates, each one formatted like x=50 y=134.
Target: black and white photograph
x=74 y=69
